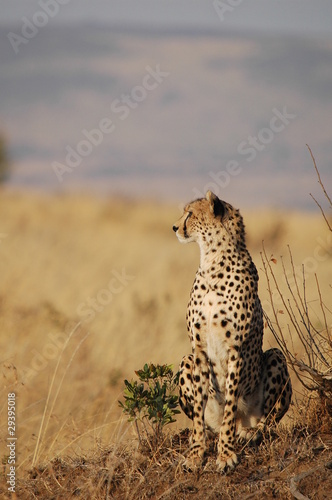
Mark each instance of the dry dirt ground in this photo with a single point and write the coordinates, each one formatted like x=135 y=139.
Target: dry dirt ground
x=90 y=290
x=288 y=463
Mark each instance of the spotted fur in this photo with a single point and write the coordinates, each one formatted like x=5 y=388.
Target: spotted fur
x=228 y=384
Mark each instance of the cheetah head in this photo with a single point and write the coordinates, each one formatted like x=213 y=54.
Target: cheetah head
x=203 y=217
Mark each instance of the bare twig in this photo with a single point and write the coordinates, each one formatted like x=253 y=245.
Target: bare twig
x=322 y=307
x=296 y=480
x=323 y=188
x=314 y=370
x=320 y=378
x=318 y=175
x=290 y=357
x=323 y=213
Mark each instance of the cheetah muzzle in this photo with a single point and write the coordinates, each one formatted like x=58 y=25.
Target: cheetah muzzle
x=228 y=385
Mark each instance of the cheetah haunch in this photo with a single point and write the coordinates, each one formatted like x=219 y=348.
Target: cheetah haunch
x=228 y=384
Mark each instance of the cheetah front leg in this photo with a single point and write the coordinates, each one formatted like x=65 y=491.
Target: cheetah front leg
x=227 y=458
x=186 y=392
x=200 y=389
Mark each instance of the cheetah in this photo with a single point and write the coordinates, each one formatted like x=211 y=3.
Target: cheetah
x=228 y=385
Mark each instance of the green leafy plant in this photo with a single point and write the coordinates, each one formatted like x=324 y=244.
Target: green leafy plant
x=150 y=402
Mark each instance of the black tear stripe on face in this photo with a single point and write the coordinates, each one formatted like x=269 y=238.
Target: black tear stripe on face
x=185 y=225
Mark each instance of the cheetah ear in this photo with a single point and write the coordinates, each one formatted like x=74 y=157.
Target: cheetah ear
x=216 y=206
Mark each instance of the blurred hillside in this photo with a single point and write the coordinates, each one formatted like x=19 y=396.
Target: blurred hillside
x=214 y=106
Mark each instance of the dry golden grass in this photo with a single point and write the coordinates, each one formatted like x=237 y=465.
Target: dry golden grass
x=67 y=368
x=288 y=463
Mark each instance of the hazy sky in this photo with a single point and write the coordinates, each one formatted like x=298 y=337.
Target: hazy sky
x=291 y=16
x=227 y=81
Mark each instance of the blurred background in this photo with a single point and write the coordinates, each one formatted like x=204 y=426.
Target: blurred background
x=112 y=115
x=65 y=66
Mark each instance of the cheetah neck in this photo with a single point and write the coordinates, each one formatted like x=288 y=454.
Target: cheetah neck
x=212 y=255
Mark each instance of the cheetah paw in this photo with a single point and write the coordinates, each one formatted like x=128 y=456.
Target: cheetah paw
x=250 y=435
x=192 y=463
x=226 y=464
